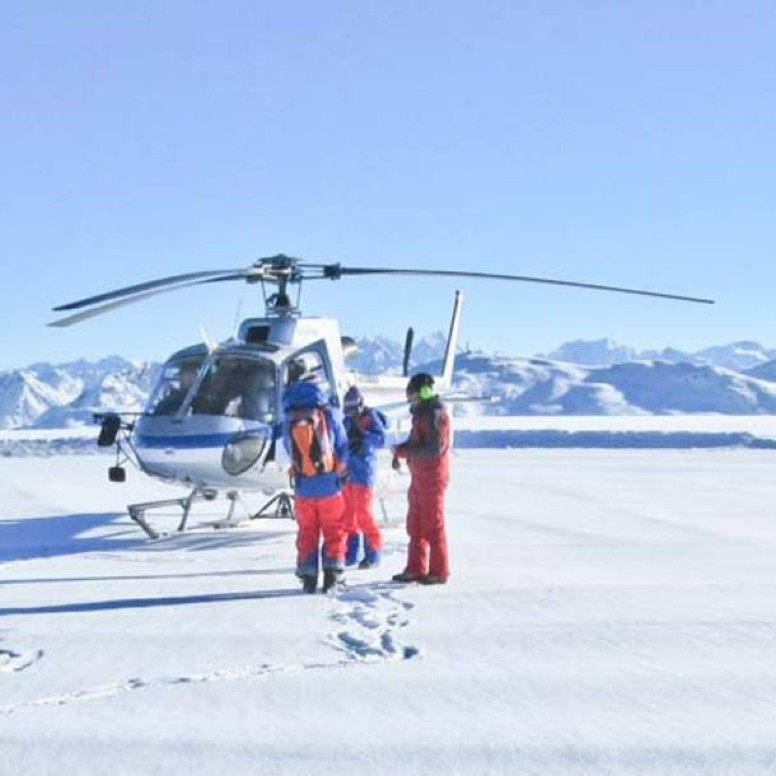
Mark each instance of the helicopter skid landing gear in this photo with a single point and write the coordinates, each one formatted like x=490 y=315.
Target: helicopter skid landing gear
x=137 y=512
x=283 y=504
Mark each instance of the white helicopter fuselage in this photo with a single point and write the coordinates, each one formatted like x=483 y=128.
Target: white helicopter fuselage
x=225 y=431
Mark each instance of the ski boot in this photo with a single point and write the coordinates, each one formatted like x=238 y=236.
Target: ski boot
x=408 y=576
x=433 y=579
x=309 y=582
x=333 y=579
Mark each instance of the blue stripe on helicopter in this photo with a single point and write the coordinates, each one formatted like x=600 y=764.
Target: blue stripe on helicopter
x=187 y=441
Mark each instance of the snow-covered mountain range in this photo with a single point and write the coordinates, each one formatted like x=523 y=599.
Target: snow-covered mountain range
x=579 y=378
x=738 y=356
x=47 y=396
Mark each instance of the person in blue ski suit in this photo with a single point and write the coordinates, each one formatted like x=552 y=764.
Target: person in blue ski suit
x=365 y=428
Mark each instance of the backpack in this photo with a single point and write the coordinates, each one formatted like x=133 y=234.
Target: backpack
x=312 y=450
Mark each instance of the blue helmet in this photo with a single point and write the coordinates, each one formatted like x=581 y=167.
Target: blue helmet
x=354 y=400
x=303 y=394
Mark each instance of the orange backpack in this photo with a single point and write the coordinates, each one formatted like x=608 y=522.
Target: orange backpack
x=311 y=444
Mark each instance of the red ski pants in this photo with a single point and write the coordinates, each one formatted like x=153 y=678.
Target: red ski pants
x=360 y=515
x=316 y=516
x=427 y=553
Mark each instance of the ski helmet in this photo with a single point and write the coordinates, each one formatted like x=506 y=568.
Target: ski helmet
x=422 y=384
x=354 y=399
x=303 y=394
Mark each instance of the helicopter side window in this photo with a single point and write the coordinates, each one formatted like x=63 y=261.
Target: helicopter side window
x=172 y=386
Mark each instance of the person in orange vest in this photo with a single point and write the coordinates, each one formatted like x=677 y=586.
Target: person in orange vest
x=315 y=440
x=427 y=452
x=365 y=428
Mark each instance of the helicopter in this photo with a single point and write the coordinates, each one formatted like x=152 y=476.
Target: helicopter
x=213 y=419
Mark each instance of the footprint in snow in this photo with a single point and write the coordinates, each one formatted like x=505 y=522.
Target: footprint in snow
x=367 y=622
x=18 y=661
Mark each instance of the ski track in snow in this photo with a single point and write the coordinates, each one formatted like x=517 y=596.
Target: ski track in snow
x=366 y=620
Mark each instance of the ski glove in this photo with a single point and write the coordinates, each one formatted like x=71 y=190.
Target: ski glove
x=355 y=442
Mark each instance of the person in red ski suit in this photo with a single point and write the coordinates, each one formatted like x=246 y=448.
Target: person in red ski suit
x=427 y=452
x=365 y=428
x=315 y=440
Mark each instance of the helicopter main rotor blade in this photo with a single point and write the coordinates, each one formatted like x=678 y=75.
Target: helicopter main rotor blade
x=106 y=308
x=335 y=271
x=179 y=281
x=282 y=270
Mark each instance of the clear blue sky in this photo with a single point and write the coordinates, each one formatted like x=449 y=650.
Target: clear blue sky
x=628 y=143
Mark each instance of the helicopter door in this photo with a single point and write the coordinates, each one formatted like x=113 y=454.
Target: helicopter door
x=312 y=363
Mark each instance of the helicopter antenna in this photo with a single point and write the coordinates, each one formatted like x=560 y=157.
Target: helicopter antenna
x=237 y=312
x=210 y=343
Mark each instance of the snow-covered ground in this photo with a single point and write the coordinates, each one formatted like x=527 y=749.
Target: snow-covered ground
x=610 y=612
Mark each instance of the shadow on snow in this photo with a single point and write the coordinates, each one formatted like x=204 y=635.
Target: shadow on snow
x=147 y=603
x=31 y=538
x=136 y=577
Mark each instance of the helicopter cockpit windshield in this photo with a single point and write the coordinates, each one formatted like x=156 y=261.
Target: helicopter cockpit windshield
x=237 y=386
x=230 y=385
